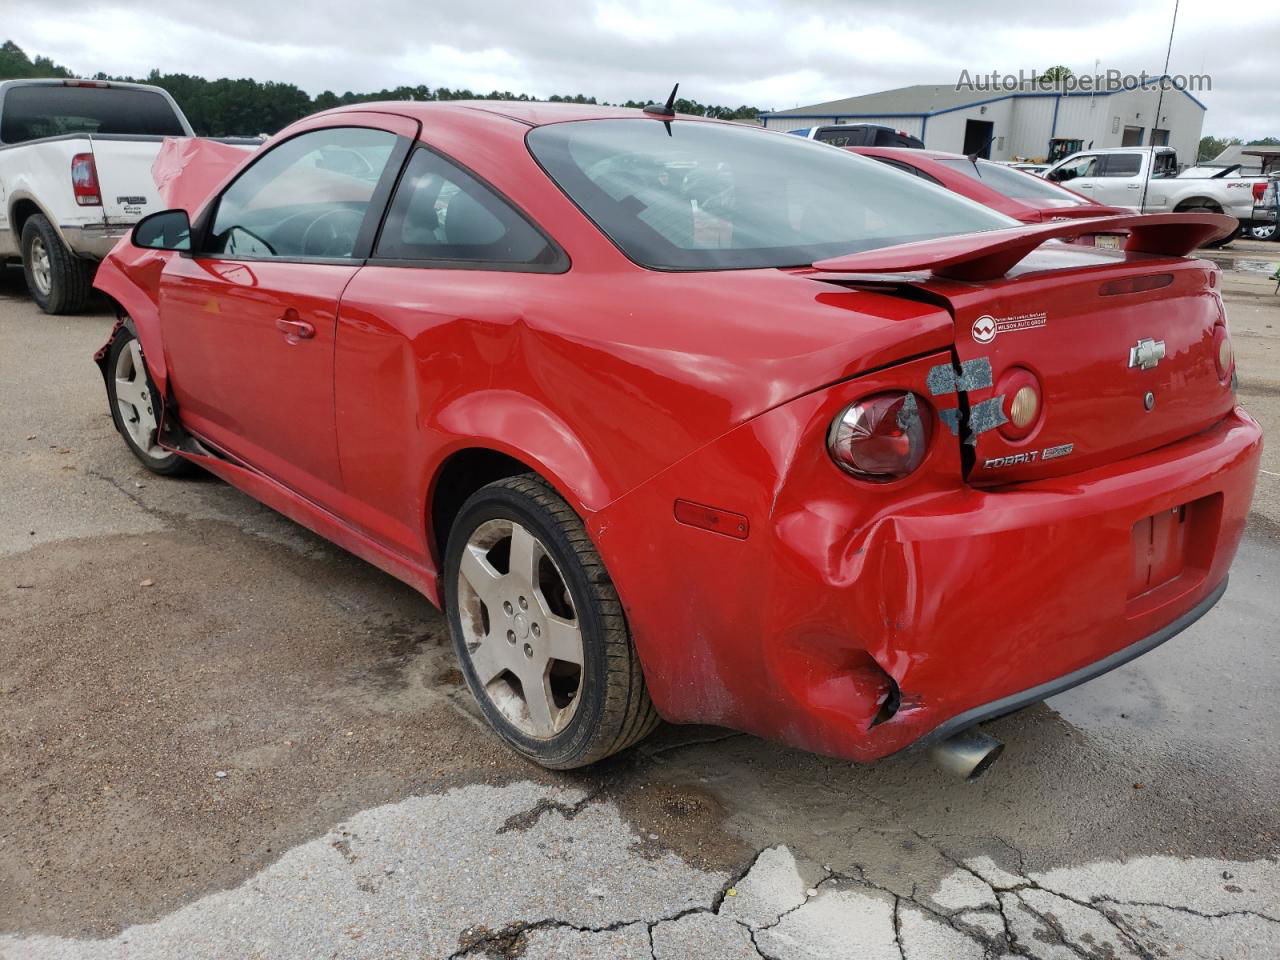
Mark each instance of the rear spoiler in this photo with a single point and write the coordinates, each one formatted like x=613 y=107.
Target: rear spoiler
x=986 y=256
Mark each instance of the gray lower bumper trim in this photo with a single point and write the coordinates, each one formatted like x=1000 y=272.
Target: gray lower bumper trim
x=1016 y=701
x=94 y=241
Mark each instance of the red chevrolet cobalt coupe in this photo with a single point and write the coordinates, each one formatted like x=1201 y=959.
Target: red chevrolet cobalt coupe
x=679 y=418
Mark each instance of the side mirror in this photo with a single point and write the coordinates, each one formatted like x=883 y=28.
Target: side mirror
x=166 y=230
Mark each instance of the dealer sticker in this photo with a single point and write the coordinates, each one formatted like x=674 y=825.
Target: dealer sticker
x=986 y=328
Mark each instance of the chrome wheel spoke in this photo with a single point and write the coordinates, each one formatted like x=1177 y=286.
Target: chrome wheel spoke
x=481 y=577
x=543 y=713
x=524 y=557
x=563 y=640
x=130 y=392
x=490 y=660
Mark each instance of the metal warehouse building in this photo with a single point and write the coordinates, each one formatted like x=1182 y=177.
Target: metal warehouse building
x=1017 y=123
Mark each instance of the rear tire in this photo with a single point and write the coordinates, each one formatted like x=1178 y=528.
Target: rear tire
x=1221 y=241
x=518 y=634
x=1263 y=231
x=59 y=281
x=135 y=406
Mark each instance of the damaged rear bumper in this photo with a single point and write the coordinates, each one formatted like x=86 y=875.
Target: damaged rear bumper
x=857 y=619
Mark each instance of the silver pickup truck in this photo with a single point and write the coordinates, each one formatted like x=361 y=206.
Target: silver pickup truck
x=1118 y=177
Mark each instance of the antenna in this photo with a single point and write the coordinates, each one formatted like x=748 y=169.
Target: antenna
x=973 y=157
x=664 y=110
x=1151 y=159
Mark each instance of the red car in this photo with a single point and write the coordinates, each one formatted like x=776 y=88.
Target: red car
x=680 y=418
x=1014 y=193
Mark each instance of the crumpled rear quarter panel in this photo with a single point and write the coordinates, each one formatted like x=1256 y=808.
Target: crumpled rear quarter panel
x=963 y=596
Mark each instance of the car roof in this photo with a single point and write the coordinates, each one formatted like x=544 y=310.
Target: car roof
x=533 y=113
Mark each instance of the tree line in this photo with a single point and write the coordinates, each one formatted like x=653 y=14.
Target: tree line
x=229 y=107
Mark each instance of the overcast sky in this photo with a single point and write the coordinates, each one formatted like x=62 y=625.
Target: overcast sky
x=765 y=53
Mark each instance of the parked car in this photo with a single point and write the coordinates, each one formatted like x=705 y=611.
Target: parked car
x=1117 y=176
x=684 y=418
x=860 y=135
x=75 y=175
x=1016 y=194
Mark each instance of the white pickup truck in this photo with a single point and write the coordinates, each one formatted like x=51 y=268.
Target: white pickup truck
x=75 y=175
x=1117 y=176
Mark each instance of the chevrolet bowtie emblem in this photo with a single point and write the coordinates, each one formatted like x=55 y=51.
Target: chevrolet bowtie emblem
x=1146 y=354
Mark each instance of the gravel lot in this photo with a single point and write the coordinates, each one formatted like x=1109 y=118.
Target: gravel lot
x=223 y=737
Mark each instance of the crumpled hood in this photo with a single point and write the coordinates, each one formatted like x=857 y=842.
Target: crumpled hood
x=188 y=169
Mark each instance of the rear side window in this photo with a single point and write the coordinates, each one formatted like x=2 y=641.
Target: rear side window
x=442 y=213
x=1122 y=165
x=30 y=113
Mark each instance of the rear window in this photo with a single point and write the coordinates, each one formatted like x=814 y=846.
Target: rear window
x=49 y=110
x=847 y=137
x=1013 y=183
x=711 y=196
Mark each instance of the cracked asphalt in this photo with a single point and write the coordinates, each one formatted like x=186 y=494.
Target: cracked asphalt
x=224 y=738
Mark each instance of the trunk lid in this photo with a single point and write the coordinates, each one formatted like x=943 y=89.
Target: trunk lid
x=1120 y=348
x=1122 y=353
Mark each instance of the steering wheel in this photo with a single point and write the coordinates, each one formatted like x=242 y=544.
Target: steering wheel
x=326 y=238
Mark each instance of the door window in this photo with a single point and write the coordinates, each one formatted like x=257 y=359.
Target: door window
x=1080 y=167
x=305 y=199
x=1122 y=165
x=442 y=213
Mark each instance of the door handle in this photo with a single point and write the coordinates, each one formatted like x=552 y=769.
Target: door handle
x=293 y=328
x=1135 y=186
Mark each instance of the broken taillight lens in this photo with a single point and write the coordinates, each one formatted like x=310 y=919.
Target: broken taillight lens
x=84 y=180
x=880 y=438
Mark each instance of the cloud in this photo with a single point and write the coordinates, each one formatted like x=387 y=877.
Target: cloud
x=770 y=54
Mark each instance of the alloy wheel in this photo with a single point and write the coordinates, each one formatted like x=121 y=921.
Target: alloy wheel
x=520 y=628
x=133 y=399
x=41 y=269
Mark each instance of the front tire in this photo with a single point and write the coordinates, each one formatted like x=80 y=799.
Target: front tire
x=135 y=406
x=1263 y=231
x=59 y=281
x=539 y=630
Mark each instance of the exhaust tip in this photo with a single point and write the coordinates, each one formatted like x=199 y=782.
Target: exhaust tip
x=967 y=755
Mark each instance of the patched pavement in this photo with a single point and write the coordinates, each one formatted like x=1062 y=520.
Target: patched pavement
x=224 y=737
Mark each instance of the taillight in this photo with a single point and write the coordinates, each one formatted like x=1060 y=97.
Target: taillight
x=1259 y=191
x=1223 y=355
x=84 y=180
x=1023 y=402
x=880 y=438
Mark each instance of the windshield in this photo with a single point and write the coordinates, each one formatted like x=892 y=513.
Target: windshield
x=1014 y=184
x=51 y=110
x=709 y=196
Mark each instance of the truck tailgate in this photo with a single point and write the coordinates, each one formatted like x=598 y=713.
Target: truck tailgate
x=124 y=177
